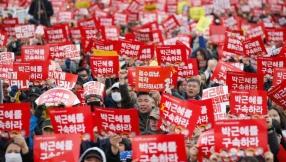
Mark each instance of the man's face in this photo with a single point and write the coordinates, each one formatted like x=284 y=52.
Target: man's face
x=76 y=86
x=144 y=104
x=33 y=97
x=5 y=89
x=245 y=61
x=83 y=74
x=192 y=89
x=48 y=131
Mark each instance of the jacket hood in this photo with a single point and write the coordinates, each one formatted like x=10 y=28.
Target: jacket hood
x=95 y=149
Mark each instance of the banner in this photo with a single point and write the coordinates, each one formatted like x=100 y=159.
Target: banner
x=7 y=58
x=278 y=76
x=63 y=79
x=266 y=65
x=239 y=138
x=104 y=65
x=179 y=112
x=117 y=121
x=35 y=53
x=15 y=119
x=50 y=147
x=278 y=94
x=73 y=120
x=205 y=144
x=244 y=81
x=248 y=104
x=93 y=87
x=159 y=147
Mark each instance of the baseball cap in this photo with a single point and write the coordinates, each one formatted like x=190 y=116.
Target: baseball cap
x=47 y=124
x=115 y=85
x=93 y=153
x=35 y=91
x=155 y=114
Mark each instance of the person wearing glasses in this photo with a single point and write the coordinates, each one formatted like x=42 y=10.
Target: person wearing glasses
x=84 y=74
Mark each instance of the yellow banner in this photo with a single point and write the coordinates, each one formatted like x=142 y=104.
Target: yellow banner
x=104 y=53
x=197 y=12
x=181 y=6
x=83 y=4
x=203 y=24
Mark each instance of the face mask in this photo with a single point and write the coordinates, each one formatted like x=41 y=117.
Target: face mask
x=116 y=96
x=14 y=45
x=94 y=103
x=13 y=157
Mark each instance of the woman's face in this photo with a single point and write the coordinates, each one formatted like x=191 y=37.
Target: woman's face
x=13 y=148
x=183 y=86
x=274 y=115
x=121 y=147
x=203 y=79
x=199 y=56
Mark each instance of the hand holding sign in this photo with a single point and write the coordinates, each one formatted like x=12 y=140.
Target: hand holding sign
x=19 y=140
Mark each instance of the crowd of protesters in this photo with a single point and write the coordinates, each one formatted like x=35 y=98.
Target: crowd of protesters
x=120 y=95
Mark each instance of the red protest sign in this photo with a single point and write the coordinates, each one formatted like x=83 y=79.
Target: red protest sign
x=7 y=58
x=106 y=45
x=56 y=34
x=122 y=121
x=152 y=78
x=72 y=120
x=89 y=33
x=64 y=50
x=3 y=38
x=93 y=87
x=131 y=76
x=110 y=32
x=134 y=7
x=219 y=74
x=55 y=96
x=63 y=79
x=275 y=35
x=19 y=78
x=105 y=21
x=9 y=30
x=240 y=138
x=206 y=118
x=244 y=81
x=35 y=53
x=75 y=33
x=4 y=69
x=65 y=16
x=181 y=113
x=170 y=23
x=172 y=54
x=24 y=31
x=38 y=71
x=104 y=65
x=219 y=96
x=155 y=147
x=121 y=17
x=15 y=119
x=255 y=31
x=10 y=21
x=278 y=76
x=129 y=48
x=206 y=145
x=247 y=104
x=233 y=43
x=278 y=94
x=80 y=96
x=217 y=34
x=50 y=147
x=148 y=52
x=90 y=23
x=254 y=46
x=189 y=70
x=265 y=65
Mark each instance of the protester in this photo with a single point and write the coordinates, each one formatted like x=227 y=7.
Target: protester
x=192 y=90
x=41 y=13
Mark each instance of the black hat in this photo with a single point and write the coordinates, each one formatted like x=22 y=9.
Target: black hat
x=93 y=153
x=35 y=91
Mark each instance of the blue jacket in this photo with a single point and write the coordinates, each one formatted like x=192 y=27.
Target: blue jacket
x=202 y=44
x=33 y=124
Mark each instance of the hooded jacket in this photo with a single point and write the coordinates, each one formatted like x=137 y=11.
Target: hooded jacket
x=81 y=159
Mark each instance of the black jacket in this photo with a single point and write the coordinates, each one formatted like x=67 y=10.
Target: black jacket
x=143 y=121
x=104 y=145
x=49 y=11
x=249 y=69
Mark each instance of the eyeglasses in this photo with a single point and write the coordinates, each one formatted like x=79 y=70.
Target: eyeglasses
x=82 y=75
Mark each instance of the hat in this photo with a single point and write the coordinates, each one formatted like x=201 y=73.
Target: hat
x=115 y=85
x=47 y=124
x=155 y=113
x=93 y=153
x=35 y=91
x=93 y=95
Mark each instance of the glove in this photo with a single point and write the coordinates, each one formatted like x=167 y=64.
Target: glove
x=39 y=110
x=13 y=90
